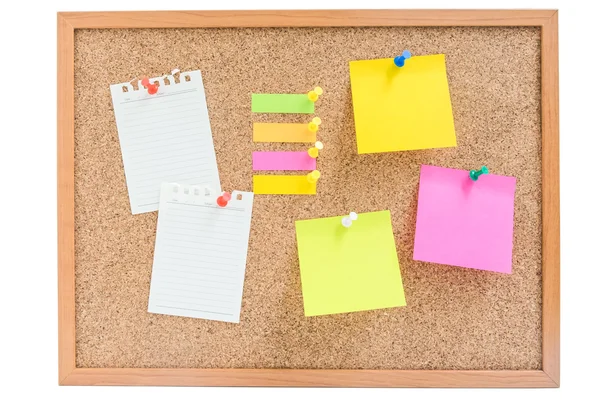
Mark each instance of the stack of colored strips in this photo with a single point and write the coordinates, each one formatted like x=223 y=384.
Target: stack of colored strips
x=286 y=133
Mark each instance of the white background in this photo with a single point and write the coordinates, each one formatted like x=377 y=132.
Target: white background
x=28 y=324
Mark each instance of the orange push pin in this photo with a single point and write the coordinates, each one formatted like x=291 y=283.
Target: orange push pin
x=313 y=125
x=223 y=199
x=313 y=152
x=314 y=94
x=313 y=176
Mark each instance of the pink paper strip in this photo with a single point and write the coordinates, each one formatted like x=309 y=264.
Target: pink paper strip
x=283 y=161
x=465 y=223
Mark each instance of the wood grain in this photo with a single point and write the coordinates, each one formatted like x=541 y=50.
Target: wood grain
x=70 y=375
x=306 y=18
x=550 y=202
x=308 y=378
x=66 y=200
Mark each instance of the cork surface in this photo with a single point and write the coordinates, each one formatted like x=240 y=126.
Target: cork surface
x=455 y=318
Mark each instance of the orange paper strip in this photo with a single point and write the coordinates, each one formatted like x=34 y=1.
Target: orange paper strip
x=288 y=133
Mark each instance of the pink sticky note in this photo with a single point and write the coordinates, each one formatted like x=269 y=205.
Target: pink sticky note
x=283 y=161
x=465 y=223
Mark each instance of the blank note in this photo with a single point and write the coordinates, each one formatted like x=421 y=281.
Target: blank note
x=164 y=137
x=285 y=133
x=200 y=254
x=282 y=103
x=283 y=184
x=465 y=223
x=283 y=161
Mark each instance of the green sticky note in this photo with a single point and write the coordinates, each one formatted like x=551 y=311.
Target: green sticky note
x=282 y=103
x=349 y=269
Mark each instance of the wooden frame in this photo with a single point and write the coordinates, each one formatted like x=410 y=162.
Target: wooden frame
x=69 y=374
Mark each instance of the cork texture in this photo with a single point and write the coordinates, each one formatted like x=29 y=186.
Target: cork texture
x=455 y=318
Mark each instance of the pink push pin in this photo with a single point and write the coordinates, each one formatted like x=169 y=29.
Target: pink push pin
x=223 y=199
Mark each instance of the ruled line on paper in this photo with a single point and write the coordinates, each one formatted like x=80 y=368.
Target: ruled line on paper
x=143 y=124
x=200 y=255
x=164 y=137
x=156 y=112
x=195 y=309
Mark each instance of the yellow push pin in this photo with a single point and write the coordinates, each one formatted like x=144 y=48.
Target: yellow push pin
x=313 y=177
x=313 y=95
x=313 y=152
x=313 y=125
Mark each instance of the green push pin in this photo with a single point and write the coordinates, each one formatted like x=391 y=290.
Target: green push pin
x=474 y=175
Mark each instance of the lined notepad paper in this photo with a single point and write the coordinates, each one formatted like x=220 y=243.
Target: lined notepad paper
x=165 y=137
x=200 y=254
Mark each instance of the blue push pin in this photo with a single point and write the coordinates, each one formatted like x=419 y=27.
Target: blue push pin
x=399 y=61
x=474 y=175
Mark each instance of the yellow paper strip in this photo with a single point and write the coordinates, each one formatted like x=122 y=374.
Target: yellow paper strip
x=283 y=184
x=285 y=133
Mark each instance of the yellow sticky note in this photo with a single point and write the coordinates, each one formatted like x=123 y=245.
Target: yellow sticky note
x=349 y=269
x=283 y=184
x=285 y=133
x=405 y=108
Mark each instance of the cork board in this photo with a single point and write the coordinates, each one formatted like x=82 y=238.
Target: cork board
x=456 y=318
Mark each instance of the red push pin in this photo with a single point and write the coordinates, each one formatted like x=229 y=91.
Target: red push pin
x=152 y=87
x=223 y=199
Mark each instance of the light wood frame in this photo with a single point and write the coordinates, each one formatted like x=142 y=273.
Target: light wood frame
x=548 y=376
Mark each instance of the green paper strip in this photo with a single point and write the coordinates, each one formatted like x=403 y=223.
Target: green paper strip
x=282 y=103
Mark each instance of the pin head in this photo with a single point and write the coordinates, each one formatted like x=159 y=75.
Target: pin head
x=474 y=175
x=399 y=61
x=313 y=176
x=223 y=199
x=153 y=88
x=347 y=220
x=145 y=81
x=313 y=125
x=313 y=152
x=314 y=94
x=319 y=145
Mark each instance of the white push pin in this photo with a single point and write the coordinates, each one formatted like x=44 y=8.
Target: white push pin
x=175 y=71
x=347 y=221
